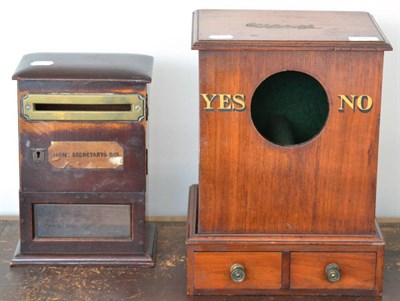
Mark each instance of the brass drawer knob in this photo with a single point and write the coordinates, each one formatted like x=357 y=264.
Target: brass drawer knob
x=332 y=272
x=237 y=272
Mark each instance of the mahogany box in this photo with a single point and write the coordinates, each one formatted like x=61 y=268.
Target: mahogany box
x=289 y=119
x=83 y=159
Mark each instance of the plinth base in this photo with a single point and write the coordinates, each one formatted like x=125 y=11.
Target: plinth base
x=146 y=259
x=281 y=264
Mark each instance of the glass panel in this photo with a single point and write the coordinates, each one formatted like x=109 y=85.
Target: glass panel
x=82 y=221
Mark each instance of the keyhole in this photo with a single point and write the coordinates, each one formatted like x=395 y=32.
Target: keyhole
x=38 y=155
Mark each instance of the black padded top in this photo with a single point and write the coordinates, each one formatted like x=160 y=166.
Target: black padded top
x=85 y=66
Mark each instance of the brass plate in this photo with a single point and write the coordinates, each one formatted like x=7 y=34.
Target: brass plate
x=31 y=102
x=86 y=154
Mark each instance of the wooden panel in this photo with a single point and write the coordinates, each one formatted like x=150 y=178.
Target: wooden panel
x=327 y=185
x=212 y=270
x=189 y=270
x=227 y=29
x=380 y=256
x=44 y=177
x=308 y=270
x=274 y=242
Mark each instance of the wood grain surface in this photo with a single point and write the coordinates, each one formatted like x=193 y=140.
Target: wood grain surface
x=262 y=29
x=326 y=185
x=308 y=270
x=44 y=177
x=80 y=180
x=262 y=270
x=359 y=256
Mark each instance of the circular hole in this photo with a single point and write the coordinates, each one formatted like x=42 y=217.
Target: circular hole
x=289 y=108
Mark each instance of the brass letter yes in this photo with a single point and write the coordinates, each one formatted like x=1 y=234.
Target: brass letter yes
x=226 y=102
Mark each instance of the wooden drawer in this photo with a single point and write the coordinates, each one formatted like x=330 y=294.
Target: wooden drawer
x=263 y=270
x=357 y=270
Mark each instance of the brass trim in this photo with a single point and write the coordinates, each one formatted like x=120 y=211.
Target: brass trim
x=237 y=272
x=136 y=113
x=332 y=272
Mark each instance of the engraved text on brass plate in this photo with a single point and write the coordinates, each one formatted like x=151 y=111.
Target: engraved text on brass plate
x=86 y=154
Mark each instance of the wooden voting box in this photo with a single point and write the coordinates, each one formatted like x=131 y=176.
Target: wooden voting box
x=289 y=123
x=83 y=160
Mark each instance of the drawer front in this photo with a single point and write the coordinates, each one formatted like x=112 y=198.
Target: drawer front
x=262 y=270
x=308 y=270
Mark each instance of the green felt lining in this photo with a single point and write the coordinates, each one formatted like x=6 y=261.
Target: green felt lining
x=289 y=108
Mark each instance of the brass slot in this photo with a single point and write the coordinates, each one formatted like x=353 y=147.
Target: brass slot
x=73 y=107
x=81 y=107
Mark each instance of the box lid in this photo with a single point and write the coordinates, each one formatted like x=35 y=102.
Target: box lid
x=263 y=30
x=85 y=67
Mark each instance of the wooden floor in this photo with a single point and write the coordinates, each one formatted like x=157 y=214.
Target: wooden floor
x=167 y=281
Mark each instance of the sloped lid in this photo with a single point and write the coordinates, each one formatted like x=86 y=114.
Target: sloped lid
x=268 y=29
x=85 y=66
